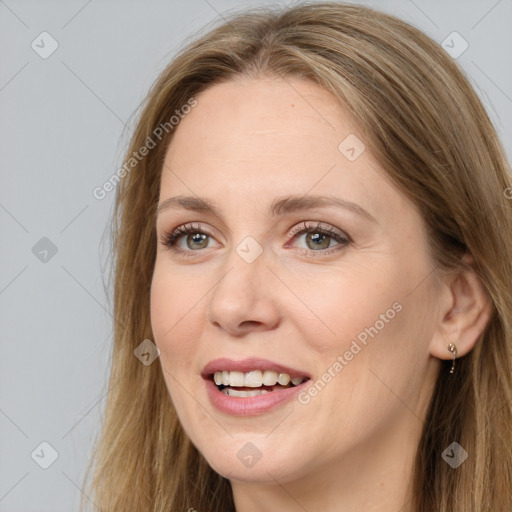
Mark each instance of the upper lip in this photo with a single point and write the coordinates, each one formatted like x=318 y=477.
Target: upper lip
x=249 y=364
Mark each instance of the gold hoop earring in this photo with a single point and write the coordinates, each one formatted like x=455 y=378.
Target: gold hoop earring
x=453 y=349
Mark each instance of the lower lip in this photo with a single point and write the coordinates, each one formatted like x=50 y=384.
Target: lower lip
x=250 y=405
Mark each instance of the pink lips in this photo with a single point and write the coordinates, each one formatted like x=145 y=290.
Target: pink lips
x=249 y=406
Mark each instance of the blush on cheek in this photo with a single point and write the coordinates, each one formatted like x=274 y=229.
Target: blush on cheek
x=168 y=310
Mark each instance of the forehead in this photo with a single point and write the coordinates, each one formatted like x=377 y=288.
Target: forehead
x=253 y=140
x=248 y=115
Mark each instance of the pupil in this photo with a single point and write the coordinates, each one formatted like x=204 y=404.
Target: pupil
x=197 y=238
x=315 y=237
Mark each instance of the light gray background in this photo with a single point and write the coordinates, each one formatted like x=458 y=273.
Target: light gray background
x=62 y=121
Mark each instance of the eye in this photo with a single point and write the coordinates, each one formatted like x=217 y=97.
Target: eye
x=318 y=236
x=194 y=237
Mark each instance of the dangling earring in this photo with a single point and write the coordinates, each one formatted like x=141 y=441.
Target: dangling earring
x=453 y=349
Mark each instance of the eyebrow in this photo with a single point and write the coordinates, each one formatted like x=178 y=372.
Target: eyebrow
x=280 y=206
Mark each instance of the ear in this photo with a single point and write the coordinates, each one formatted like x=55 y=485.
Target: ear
x=465 y=309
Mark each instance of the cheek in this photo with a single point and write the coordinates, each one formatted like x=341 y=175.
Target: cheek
x=335 y=307
x=173 y=329
x=172 y=314
x=368 y=317
x=378 y=352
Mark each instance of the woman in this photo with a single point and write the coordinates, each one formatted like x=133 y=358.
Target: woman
x=314 y=236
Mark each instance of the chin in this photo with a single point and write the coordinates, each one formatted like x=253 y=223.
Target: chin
x=261 y=472
x=257 y=459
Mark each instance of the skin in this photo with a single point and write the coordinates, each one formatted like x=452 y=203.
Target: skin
x=351 y=448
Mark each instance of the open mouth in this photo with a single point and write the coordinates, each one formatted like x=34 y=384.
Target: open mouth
x=253 y=383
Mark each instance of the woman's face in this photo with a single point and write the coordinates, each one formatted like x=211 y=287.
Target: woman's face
x=309 y=264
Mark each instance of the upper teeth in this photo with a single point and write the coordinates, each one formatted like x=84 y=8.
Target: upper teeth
x=254 y=379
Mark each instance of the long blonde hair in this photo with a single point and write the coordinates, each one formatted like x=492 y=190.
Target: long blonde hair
x=427 y=127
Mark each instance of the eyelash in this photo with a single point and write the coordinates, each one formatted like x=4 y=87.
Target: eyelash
x=169 y=239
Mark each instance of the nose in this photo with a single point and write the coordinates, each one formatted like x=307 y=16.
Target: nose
x=245 y=297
